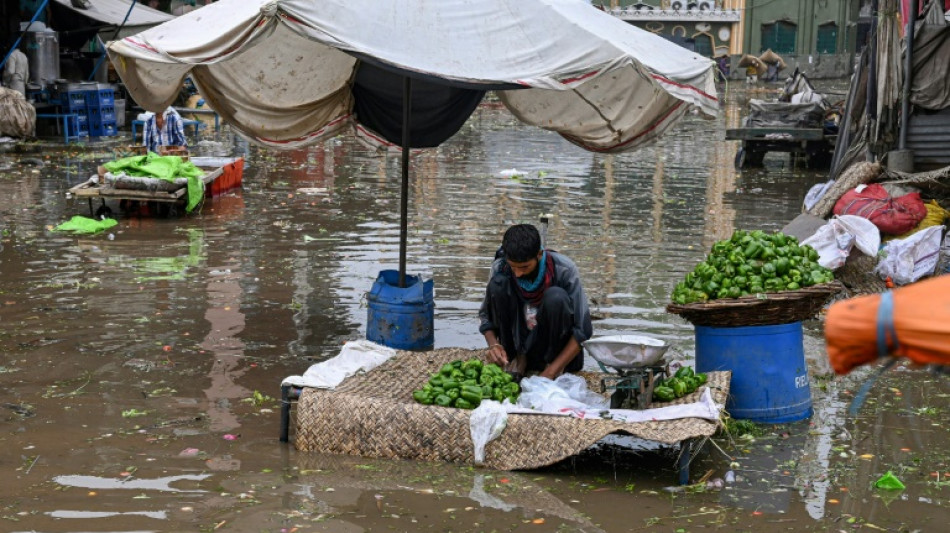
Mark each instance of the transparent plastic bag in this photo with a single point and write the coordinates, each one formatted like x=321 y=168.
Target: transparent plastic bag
x=551 y=396
x=486 y=423
x=576 y=388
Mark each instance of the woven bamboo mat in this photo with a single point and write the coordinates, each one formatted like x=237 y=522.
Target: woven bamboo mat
x=374 y=415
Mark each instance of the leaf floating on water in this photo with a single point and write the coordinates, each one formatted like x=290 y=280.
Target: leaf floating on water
x=889 y=482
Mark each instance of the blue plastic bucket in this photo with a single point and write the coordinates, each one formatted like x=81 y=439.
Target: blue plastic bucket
x=401 y=318
x=769 y=375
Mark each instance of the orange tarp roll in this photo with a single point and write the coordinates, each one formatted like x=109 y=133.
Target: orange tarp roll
x=921 y=316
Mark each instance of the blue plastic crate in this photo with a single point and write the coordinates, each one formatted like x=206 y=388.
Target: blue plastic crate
x=73 y=123
x=100 y=98
x=103 y=128
x=102 y=114
x=73 y=102
x=81 y=113
x=78 y=126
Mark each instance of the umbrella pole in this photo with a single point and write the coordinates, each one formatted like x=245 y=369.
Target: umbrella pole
x=404 y=200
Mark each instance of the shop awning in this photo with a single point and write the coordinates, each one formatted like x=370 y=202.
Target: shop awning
x=287 y=73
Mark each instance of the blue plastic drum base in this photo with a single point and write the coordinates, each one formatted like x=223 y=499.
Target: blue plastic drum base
x=401 y=317
x=769 y=375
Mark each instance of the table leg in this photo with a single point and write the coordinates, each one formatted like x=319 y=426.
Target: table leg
x=686 y=456
x=288 y=393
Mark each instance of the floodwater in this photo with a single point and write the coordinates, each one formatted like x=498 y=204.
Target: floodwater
x=139 y=367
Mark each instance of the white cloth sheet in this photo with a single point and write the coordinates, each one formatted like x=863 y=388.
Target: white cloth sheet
x=354 y=357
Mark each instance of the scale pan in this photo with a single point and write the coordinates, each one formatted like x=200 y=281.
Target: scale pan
x=626 y=351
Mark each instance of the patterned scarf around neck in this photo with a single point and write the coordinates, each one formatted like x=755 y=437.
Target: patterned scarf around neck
x=532 y=291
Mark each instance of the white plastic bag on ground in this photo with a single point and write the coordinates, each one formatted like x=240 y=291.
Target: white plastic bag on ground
x=907 y=260
x=576 y=388
x=486 y=423
x=568 y=391
x=834 y=240
x=543 y=394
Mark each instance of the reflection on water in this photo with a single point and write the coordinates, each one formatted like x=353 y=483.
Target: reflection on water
x=160 y=515
x=161 y=484
x=466 y=490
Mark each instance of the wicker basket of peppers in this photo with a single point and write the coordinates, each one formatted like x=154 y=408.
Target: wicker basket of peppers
x=754 y=278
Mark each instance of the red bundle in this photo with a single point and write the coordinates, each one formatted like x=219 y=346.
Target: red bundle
x=894 y=216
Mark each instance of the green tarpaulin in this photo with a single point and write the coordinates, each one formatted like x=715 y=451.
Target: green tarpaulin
x=167 y=167
x=81 y=224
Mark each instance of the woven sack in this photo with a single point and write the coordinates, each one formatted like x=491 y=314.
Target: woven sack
x=17 y=116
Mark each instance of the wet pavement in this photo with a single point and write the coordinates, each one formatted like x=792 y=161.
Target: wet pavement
x=139 y=367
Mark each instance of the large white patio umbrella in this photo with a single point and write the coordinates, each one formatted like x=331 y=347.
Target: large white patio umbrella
x=408 y=73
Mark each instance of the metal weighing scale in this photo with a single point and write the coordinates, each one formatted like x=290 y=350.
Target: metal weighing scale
x=633 y=364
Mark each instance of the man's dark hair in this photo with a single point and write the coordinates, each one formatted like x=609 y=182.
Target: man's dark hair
x=521 y=242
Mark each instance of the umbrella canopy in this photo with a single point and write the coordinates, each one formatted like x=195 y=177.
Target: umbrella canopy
x=286 y=73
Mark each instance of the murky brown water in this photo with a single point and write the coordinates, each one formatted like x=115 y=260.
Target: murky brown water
x=127 y=358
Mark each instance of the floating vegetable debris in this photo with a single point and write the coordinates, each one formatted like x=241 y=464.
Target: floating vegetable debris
x=889 y=482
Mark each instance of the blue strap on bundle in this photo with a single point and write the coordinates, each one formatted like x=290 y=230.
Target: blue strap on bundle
x=886 y=343
x=885 y=325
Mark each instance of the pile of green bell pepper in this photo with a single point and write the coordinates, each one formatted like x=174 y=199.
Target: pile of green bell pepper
x=752 y=262
x=464 y=384
x=684 y=382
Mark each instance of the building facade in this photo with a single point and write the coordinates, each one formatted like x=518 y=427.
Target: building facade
x=708 y=27
x=802 y=28
x=820 y=37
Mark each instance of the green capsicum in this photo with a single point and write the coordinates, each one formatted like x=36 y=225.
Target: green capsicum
x=664 y=394
x=442 y=400
x=498 y=394
x=422 y=397
x=782 y=266
x=473 y=397
x=679 y=387
x=684 y=371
